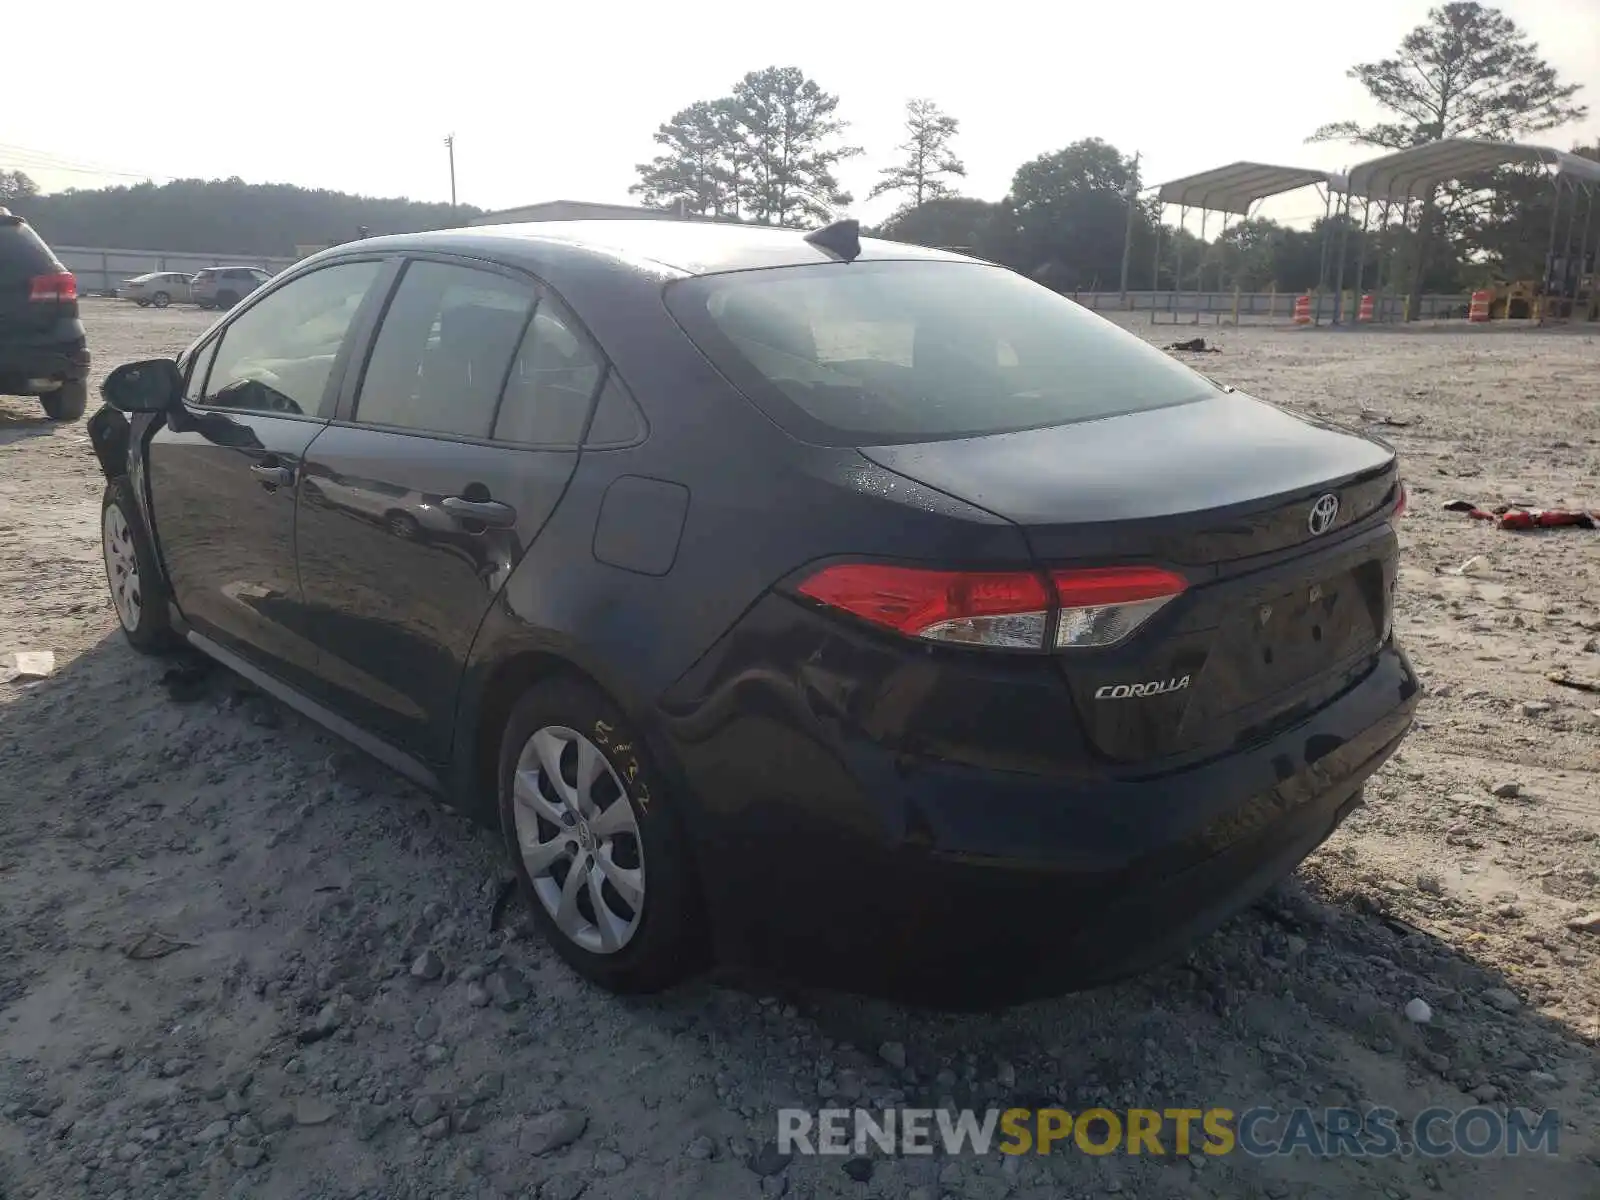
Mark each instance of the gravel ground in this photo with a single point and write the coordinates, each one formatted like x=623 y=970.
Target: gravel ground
x=237 y=959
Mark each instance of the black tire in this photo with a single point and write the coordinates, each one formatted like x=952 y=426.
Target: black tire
x=151 y=632
x=670 y=942
x=161 y=299
x=142 y=303
x=226 y=300
x=67 y=402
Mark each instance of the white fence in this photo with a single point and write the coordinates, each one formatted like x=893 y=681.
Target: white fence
x=1263 y=306
x=102 y=269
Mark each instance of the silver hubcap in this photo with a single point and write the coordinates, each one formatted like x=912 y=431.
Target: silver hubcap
x=122 y=567
x=579 y=839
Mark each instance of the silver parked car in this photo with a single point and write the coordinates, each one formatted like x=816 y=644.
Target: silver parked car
x=158 y=288
x=223 y=287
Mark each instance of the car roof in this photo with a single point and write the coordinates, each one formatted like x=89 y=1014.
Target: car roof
x=682 y=247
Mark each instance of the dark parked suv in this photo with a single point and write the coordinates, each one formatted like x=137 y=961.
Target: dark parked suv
x=847 y=608
x=43 y=350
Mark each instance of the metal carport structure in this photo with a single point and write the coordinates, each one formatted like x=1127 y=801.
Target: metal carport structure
x=1233 y=190
x=1408 y=176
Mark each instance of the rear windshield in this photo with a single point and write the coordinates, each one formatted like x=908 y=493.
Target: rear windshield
x=23 y=252
x=874 y=353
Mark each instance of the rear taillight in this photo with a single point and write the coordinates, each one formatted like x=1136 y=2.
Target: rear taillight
x=1011 y=610
x=1101 y=607
x=1008 y=609
x=1399 y=503
x=55 y=288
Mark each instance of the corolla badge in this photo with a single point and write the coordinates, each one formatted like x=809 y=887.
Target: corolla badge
x=1323 y=514
x=1127 y=691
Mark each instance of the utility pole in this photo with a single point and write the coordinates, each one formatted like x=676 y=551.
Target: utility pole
x=450 y=145
x=1127 y=234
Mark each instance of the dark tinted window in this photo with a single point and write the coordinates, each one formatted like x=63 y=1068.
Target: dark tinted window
x=23 y=253
x=551 y=383
x=863 y=353
x=277 y=355
x=617 y=419
x=444 y=350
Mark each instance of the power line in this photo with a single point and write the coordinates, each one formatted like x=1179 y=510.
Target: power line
x=42 y=160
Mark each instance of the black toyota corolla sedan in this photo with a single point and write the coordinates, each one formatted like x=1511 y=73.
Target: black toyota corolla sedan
x=848 y=609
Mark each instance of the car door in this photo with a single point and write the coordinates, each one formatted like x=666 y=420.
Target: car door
x=223 y=470
x=449 y=455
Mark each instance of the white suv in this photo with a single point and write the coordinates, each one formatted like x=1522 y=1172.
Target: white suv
x=223 y=287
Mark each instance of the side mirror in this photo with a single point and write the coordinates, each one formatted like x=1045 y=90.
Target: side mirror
x=154 y=385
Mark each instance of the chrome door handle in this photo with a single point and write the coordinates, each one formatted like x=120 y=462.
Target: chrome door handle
x=490 y=512
x=273 y=476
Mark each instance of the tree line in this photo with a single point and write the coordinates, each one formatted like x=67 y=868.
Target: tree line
x=768 y=152
x=216 y=216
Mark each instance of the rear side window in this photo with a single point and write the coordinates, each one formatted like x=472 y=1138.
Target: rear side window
x=277 y=356
x=552 y=382
x=617 y=419
x=444 y=350
x=882 y=352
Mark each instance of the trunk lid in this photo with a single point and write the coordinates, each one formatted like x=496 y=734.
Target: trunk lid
x=1276 y=617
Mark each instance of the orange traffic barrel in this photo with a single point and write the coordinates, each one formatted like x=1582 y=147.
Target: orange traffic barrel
x=1302 y=309
x=1479 y=309
x=1364 y=313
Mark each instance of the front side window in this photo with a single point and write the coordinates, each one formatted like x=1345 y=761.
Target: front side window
x=871 y=353
x=278 y=355
x=444 y=350
x=199 y=364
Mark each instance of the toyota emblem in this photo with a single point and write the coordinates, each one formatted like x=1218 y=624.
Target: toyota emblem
x=1323 y=514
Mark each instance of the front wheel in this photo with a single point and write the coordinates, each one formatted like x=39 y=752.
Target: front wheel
x=142 y=303
x=67 y=402
x=161 y=299
x=137 y=591
x=595 y=844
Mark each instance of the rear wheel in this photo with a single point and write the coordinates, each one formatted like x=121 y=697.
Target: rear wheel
x=142 y=303
x=402 y=525
x=137 y=592
x=67 y=402
x=595 y=844
x=226 y=300
x=161 y=299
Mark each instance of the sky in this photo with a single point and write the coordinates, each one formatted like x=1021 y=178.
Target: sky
x=559 y=101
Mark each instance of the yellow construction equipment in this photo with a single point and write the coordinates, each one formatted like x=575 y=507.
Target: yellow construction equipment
x=1513 y=301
